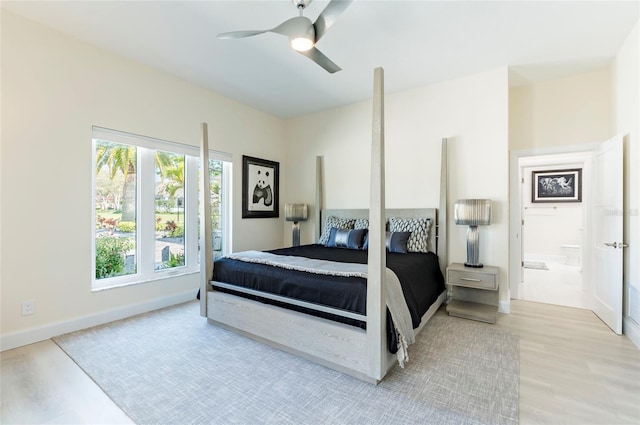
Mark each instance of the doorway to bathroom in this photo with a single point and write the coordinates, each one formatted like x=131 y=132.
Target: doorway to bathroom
x=554 y=201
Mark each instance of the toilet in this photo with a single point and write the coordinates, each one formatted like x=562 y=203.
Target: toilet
x=571 y=254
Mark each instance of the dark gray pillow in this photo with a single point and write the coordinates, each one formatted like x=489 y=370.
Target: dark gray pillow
x=346 y=238
x=395 y=242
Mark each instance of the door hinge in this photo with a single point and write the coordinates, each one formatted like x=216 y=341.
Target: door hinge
x=523 y=222
x=521 y=263
x=522 y=180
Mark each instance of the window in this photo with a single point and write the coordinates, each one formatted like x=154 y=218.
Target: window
x=169 y=202
x=220 y=204
x=146 y=208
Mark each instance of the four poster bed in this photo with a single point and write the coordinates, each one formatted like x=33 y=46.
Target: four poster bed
x=347 y=309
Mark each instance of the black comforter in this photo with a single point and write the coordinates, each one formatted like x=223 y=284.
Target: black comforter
x=419 y=274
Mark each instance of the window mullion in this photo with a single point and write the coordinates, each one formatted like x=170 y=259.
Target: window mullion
x=191 y=212
x=146 y=207
x=226 y=208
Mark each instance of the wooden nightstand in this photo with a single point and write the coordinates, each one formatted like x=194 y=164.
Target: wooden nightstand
x=474 y=292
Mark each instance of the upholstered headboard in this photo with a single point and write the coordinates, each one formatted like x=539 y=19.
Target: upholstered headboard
x=435 y=243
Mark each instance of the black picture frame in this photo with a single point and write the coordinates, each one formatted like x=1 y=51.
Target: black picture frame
x=260 y=188
x=556 y=185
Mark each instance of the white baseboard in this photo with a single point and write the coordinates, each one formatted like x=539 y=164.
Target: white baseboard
x=504 y=307
x=44 y=332
x=632 y=331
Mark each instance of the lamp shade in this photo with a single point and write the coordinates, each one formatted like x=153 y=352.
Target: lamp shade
x=295 y=212
x=472 y=212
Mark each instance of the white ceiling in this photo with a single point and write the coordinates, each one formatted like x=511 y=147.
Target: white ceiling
x=417 y=43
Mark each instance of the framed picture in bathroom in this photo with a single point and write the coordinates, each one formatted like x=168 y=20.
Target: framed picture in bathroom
x=556 y=185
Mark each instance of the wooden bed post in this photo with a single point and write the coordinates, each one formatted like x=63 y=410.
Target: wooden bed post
x=376 y=300
x=319 y=196
x=206 y=237
x=441 y=249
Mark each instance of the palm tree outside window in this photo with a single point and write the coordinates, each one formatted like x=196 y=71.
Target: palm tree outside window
x=146 y=208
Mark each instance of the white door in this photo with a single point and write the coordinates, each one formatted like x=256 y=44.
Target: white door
x=607 y=213
x=521 y=218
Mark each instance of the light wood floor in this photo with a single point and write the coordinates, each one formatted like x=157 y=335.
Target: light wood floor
x=42 y=385
x=573 y=370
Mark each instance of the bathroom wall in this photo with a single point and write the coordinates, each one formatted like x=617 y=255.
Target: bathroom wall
x=549 y=226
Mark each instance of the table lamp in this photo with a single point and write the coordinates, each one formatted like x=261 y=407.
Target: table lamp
x=473 y=213
x=295 y=213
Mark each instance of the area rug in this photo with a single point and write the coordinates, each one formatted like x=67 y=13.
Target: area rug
x=172 y=367
x=536 y=265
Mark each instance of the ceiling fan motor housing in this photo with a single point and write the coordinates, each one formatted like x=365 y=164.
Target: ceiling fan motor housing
x=299 y=30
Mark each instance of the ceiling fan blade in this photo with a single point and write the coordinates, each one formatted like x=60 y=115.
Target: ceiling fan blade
x=239 y=34
x=318 y=57
x=294 y=26
x=288 y=28
x=329 y=15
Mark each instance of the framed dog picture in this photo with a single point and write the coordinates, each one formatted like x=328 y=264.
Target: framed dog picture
x=260 y=188
x=556 y=185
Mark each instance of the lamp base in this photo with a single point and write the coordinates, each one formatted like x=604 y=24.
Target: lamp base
x=295 y=234
x=473 y=248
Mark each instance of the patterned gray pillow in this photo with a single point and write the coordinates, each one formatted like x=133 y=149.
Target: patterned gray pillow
x=419 y=228
x=361 y=223
x=338 y=223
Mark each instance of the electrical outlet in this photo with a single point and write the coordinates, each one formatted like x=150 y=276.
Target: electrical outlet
x=28 y=307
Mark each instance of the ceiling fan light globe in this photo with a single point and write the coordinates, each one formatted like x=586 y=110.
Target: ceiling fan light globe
x=301 y=44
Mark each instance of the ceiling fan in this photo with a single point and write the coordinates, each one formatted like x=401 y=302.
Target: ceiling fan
x=303 y=35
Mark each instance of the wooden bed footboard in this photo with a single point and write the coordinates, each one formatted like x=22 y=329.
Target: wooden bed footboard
x=335 y=345
x=332 y=344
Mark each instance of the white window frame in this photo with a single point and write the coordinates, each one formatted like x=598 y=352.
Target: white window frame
x=145 y=207
x=226 y=199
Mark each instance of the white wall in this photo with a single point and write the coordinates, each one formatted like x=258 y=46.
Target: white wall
x=54 y=88
x=627 y=118
x=564 y=111
x=471 y=112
